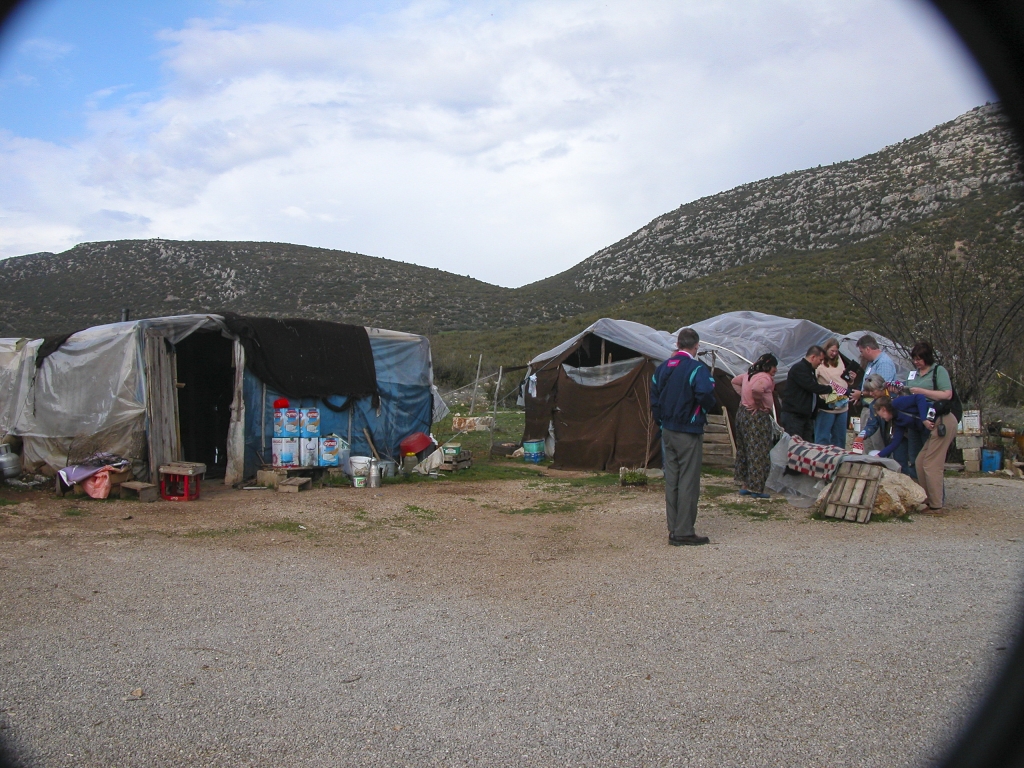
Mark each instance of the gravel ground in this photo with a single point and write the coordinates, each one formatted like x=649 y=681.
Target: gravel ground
x=426 y=624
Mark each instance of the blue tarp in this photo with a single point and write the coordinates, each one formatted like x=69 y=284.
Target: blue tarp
x=406 y=403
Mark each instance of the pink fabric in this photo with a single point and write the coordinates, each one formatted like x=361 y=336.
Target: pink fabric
x=98 y=486
x=755 y=392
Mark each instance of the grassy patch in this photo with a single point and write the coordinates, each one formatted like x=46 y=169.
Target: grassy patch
x=875 y=518
x=205 y=533
x=597 y=480
x=490 y=470
x=73 y=512
x=633 y=477
x=715 y=491
x=752 y=510
x=8 y=503
x=546 y=508
x=284 y=526
x=281 y=526
x=420 y=513
x=411 y=517
x=716 y=472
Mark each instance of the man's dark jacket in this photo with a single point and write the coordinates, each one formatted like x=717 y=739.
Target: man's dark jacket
x=682 y=393
x=802 y=390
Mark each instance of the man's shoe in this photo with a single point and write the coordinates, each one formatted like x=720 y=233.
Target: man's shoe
x=744 y=492
x=688 y=541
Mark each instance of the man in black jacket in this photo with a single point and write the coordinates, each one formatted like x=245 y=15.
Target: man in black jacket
x=800 y=400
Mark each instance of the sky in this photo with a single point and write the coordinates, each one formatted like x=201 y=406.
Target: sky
x=503 y=140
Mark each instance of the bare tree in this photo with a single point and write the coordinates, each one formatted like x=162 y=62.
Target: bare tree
x=967 y=300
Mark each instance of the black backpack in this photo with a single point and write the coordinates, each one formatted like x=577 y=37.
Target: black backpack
x=953 y=405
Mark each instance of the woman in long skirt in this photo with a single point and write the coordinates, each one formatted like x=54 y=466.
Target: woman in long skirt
x=754 y=425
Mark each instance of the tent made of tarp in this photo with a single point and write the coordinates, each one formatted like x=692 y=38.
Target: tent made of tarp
x=179 y=388
x=730 y=342
x=589 y=397
x=739 y=338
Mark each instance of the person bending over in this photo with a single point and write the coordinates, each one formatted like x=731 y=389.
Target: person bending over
x=906 y=414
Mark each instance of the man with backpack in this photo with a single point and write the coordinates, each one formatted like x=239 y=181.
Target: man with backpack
x=682 y=393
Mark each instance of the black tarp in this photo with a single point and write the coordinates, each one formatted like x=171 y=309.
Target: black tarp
x=307 y=358
x=50 y=345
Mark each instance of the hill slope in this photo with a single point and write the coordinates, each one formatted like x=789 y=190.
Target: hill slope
x=88 y=285
x=815 y=209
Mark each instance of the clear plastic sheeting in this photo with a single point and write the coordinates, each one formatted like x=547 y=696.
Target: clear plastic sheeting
x=646 y=341
x=848 y=347
x=17 y=368
x=749 y=335
x=598 y=375
x=94 y=381
x=126 y=438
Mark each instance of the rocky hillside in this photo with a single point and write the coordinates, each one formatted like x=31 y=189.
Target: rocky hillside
x=815 y=209
x=969 y=164
x=88 y=285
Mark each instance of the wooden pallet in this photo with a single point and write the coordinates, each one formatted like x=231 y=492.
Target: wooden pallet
x=719 y=448
x=854 y=491
x=456 y=462
x=295 y=484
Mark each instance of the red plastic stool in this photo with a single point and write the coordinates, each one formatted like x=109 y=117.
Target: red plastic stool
x=180 y=481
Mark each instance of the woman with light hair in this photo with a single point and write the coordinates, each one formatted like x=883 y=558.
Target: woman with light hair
x=831 y=418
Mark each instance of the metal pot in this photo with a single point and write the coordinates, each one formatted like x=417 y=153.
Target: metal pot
x=10 y=462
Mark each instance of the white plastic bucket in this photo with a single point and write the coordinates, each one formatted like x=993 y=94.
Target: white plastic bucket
x=360 y=466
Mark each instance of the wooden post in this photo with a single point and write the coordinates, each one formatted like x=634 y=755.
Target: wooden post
x=494 y=415
x=476 y=383
x=601 y=361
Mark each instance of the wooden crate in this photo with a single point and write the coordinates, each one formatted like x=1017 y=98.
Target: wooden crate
x=146 y=492
x=853 y=493
x=463 y=460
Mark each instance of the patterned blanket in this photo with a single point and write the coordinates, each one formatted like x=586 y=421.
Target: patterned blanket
x=820 y=461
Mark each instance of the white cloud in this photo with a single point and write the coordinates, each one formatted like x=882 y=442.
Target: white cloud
x=45 y=49
x=507 y=147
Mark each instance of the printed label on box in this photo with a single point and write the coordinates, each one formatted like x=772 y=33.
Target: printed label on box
x=285 y=451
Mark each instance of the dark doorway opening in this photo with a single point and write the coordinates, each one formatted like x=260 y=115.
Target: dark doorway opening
x=204 y=402
x=593 y=350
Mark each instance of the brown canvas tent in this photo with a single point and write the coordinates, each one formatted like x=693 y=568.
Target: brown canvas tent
x=589 y=397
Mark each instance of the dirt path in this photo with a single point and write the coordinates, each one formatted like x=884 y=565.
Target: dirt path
x=525 y=622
